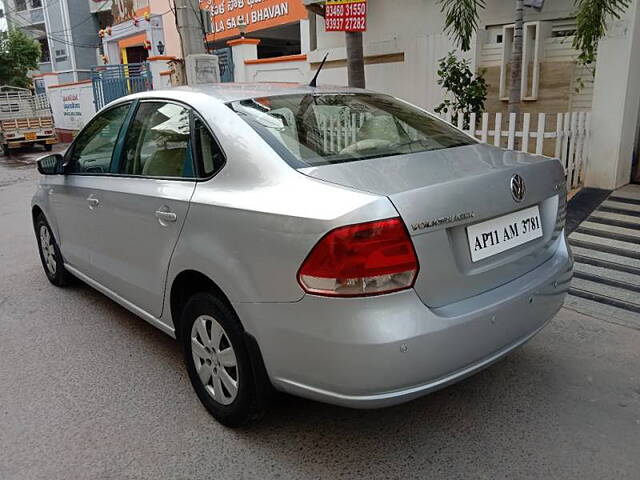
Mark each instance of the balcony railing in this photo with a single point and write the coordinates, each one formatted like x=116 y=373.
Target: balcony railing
x=36 y=15
x=25 y=17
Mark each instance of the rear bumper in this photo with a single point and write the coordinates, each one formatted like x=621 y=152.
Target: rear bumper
x=379 y=351
x=22 y=142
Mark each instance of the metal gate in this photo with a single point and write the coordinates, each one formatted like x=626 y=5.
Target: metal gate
x=225 y=62
x=114 y=81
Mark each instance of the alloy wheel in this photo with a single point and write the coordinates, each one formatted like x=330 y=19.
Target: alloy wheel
x=214 y=359
x=48 y=249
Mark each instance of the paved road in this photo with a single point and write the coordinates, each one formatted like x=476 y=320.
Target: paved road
x=87 y=390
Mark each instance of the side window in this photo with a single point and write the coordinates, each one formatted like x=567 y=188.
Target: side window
x=93 y=149
x=207 y=149
x=157 y=143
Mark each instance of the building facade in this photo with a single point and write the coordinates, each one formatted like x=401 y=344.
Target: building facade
x=273 y=33
x=68 y=41
x=553 y=79
x=135 y=30
x=279 y=40
x=405 y=40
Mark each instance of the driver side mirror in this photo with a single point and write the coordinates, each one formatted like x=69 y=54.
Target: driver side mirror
x=51 y=164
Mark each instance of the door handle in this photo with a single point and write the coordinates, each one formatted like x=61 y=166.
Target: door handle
x=164 y=216
x=93 y=202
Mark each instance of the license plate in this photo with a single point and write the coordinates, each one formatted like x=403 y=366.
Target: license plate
x=51 y=140
x=30 y=136
x=503 y=233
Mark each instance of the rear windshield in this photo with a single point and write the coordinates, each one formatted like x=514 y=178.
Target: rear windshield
x=324 y=128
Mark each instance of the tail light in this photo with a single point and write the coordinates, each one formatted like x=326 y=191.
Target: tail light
x=364 y=259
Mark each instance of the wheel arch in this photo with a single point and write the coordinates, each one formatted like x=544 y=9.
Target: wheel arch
x=186 y=284
x=36 y=211
x=189 y=282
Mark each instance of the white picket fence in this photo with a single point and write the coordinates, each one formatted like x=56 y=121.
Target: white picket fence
x=566 y=138
x=339 y=129
x=569 y=137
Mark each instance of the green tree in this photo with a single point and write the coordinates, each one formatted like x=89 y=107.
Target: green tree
x=591 y=24
x=461 y=20
x=19 y=53
x=464 y=93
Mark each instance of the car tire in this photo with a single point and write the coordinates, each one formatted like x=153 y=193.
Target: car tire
x=217 y=360
x=5 y=150
x=48 y=147
x=50 y=255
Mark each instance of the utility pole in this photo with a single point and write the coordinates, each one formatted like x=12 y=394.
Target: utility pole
x=188 y=23
x=353 y=42
x=516 y=59
x=355 y=59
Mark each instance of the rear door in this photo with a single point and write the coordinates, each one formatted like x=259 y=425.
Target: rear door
x=145 y=206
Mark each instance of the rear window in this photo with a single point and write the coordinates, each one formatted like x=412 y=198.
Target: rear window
x=325 y=128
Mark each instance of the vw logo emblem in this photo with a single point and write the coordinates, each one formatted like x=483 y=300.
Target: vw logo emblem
x=518 y=189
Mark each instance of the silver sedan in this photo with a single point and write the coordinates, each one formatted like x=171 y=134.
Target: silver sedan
x=337 y=244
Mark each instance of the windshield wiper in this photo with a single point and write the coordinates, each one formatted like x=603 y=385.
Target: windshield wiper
x=411 y=142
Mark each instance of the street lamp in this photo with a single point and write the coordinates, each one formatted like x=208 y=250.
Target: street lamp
x=160 y=47
x=242 y=27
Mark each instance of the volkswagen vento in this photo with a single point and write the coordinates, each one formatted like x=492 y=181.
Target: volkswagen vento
x=337 y=244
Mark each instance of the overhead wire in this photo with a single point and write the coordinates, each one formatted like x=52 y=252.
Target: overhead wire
x=81 y=22
x=91 y=16
x=16 y=19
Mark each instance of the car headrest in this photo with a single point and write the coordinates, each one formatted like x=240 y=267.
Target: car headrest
x=165 y=163
x=379 y=127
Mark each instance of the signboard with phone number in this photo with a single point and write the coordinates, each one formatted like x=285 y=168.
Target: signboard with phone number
x=345 y=16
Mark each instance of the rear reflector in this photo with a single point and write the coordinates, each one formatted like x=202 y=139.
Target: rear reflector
x=358 y=260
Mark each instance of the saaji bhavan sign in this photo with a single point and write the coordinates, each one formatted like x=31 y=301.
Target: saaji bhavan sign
x=226 y=15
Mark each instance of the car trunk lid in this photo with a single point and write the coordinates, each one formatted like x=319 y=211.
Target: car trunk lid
x=439 y=194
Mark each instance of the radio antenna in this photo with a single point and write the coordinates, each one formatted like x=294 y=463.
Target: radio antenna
x=314 y=81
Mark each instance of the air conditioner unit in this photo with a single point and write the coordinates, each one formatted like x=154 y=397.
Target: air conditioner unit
x=537 y=4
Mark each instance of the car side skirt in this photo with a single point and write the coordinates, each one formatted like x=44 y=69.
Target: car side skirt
x=123 y=302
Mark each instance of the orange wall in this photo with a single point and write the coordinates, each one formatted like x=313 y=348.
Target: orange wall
x=257 y=16
x=171 y=38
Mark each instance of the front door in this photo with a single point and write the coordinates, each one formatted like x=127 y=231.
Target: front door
x=145 y=206
x=76 y=208
x=136 y=54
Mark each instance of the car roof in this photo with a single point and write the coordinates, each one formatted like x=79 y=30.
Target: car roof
x=231 y=92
